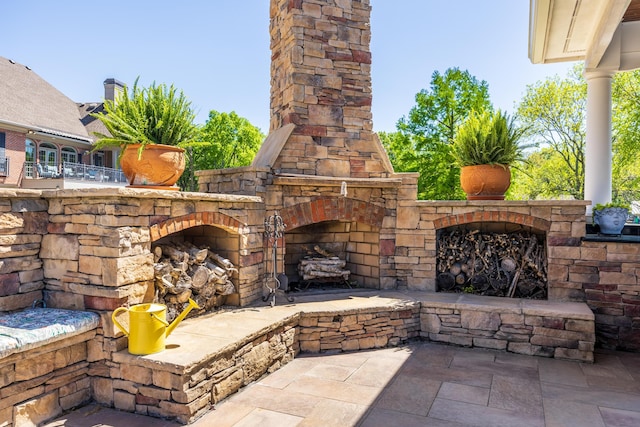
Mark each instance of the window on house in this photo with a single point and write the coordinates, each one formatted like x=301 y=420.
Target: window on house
x=98 y=158
x=48 y=154
x=69 y=155
x=30 y=157
x=4 y=165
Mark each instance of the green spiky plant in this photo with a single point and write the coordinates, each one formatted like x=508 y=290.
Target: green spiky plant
x=488 y=138
x=158 y=114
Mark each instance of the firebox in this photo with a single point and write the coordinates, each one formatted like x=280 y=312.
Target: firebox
x=357 y=244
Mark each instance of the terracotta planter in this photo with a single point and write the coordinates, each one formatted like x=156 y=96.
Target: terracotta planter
x=159 y=167
x=485 y=182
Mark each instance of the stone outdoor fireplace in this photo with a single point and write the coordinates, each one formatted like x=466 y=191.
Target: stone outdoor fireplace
x=325 y=172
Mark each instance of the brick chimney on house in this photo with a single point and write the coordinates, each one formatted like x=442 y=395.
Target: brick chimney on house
x=321 y=83
x=111 y=88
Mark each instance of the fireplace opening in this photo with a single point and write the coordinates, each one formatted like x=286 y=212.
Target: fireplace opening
x=494 y=259
x=351 y=251
x=199 y=263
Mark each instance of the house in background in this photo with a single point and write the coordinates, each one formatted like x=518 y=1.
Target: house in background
x=46 y=138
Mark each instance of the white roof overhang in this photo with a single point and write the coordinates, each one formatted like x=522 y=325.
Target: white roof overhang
x=573 y=30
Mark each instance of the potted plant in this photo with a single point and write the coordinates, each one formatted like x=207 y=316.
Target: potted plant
x=611 y=217
x=485 y=146
x=149 y=125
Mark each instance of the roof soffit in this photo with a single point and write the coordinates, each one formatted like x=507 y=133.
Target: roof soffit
x=573 y=30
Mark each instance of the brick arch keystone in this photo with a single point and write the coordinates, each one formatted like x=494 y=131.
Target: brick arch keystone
x=493 y=216
x=175 y=225
x=332 y=209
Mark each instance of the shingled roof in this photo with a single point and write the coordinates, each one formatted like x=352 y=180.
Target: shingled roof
x=29 y=101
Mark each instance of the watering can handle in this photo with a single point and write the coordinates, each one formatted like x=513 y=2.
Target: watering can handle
x=115 y=321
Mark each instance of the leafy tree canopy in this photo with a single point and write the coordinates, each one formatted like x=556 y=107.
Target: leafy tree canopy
x=554 y=112
x=423 y=141
x=226 y=140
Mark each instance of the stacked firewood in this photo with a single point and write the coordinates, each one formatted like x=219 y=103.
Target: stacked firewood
x=184 y=270
x=497 y=264
x=322 y=266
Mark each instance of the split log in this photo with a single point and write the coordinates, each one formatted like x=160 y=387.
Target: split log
x=199 y=276
x=174 y=254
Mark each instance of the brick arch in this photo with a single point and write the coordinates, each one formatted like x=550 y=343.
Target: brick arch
x=175 y=225
x=332 y=209
x=493 y=216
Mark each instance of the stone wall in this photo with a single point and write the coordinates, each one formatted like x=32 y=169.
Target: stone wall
x=169 y=390
x=23 y=224
x=607 y=273
x=358 y=330
x=90 y=249
x=538 y=328
x=42 y=382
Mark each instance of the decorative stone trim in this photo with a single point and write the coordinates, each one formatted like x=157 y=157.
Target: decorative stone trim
x=333 y=209
x=493 y=216
x=175 y=225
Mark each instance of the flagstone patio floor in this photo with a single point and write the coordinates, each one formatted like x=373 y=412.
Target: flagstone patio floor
x=420 y=384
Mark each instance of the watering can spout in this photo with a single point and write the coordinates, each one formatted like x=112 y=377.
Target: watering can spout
x=177 y=320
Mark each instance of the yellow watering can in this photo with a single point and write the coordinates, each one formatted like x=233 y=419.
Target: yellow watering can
x=148 y=326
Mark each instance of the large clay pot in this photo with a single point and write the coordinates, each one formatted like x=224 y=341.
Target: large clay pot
x=485 y=182
x=160 y=166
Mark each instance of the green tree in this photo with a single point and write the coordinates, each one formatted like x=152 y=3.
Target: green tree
x=543 y=176
x=425 y=135
x=554 y=111
x=626 y=131
x=226 y=141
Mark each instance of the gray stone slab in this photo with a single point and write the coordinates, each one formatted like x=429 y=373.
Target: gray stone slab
x=409 y=394
x=610 y=399
x=516 y=394
x=481 y=416
x=464 y=393
x=353 y=393
x=561 y=372
x=377 y=372
x=620 y=418
x=267 y=418
x=283 y=401
x=387 y=418
x=333 y=413
x=560 y=413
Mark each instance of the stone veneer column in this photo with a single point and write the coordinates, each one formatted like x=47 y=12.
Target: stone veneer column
x=321 y=82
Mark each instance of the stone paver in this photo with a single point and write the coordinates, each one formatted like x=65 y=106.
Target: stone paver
x=421 y=384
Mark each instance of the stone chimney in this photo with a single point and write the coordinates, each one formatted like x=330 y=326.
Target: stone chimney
x=321 y=82
x=111 y=87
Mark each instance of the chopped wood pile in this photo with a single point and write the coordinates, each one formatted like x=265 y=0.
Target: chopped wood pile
x=507 y=265
x=323 y=266
x=184 y=270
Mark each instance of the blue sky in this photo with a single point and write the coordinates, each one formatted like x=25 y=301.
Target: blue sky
x=217 y=51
